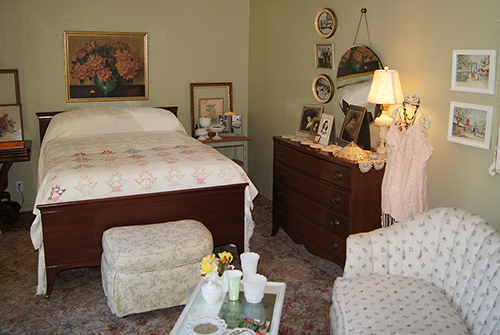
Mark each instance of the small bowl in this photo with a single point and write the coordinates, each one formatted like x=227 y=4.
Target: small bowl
x=219 y=326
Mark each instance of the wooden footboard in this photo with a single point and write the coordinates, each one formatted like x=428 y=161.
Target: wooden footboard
x=72 y=231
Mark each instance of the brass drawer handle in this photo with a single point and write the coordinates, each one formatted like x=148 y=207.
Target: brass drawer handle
x=335 y=223
x=334 y=246
x=280 y=174
x=336 y=199
x=280 y=153
x=279 y=193
x=337 y=175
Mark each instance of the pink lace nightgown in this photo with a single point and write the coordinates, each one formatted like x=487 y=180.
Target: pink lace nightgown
x=404 y=186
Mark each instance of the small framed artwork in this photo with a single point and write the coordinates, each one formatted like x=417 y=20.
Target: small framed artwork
x=474 y=71
x=306 y=119
x=211 y=108
x=351 y=126
x=224 y=120
x=322 y=88
x=314 y=128
x=11 y=123
x=326 y=127
x=106 y=66
x=206 y=101
x=237 y=124
x=325 y=56
x=325 y=23
x=470 y=124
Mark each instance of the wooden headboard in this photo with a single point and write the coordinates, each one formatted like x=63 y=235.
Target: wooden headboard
x=44 y=119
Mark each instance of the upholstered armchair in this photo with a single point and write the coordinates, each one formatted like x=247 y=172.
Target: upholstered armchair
x=437 y=272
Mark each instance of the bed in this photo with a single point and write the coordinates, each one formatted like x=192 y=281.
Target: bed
x=103 y=167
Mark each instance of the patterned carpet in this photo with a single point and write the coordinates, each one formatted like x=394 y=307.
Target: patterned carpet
x=78 y=304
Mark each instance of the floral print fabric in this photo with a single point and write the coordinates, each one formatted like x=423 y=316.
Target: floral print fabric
x=456 y=251
x=153 y=266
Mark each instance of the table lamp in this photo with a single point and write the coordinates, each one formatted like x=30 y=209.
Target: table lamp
x=385 y=90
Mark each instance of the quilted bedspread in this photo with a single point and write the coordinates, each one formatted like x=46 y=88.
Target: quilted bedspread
x=77 y=166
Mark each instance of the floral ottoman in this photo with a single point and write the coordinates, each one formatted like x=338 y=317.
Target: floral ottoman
x=148 y=267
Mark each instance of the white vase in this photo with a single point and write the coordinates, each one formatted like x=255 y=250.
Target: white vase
x=211 y=290
x=223 y=282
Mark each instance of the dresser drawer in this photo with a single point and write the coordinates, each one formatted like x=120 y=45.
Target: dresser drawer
x=316 y=239
x=329 y=196
x=328 y=219
x=333 y=173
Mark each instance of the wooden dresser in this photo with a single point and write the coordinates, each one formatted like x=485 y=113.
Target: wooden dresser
x=319 y=199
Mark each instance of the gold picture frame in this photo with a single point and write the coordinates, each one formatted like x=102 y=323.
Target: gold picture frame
x=11 y=116
x=325 y=23
x=322 y=88
x=209 y=91
x=106 y=66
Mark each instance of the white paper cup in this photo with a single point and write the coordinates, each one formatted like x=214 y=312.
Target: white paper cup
x=254 y=287
x=249 y=262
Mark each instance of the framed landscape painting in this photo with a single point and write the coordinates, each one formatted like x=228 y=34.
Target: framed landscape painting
x=474 y=71
x=106 y=66
x=470 y=124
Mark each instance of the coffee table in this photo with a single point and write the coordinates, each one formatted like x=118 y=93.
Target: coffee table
x=233 y=311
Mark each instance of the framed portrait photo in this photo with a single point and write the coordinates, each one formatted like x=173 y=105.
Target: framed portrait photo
x=470 y=124
x=351 y=126
x=106 y=66
x=224 y=120
x=322 y=88
x=326 y=129
x=306 y=119
x=474 y=71
x=325 y=56
x=325 y=23
x=314 y=128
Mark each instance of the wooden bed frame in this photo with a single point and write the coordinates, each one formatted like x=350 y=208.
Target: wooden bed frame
x=72 y=231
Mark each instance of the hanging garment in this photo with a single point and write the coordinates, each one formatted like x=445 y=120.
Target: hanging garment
x=404 y=186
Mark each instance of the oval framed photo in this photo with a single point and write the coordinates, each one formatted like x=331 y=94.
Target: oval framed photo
x=322 y=88
x=325 y=23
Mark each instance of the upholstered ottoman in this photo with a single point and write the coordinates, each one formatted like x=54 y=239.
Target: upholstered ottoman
x=148 y=267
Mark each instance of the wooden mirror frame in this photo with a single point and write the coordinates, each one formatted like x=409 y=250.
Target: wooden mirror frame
x=194 y=86
x=15 y=73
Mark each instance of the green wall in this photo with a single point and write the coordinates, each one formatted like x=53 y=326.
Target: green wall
x=189 y=41
x=416 y=38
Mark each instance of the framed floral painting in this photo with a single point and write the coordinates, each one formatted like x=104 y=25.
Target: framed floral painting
x=106 y=66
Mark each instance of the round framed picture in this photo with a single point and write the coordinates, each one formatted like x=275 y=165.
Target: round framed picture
x=325 y=23
x=322 y=88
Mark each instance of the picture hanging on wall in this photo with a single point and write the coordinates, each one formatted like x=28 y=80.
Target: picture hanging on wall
x=106 y=66
x=474 y=71
x=470 y=124
x=325 y=23
x=325 y=56
x=322 y=88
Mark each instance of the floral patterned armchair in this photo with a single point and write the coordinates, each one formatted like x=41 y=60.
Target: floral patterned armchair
x=437 y=272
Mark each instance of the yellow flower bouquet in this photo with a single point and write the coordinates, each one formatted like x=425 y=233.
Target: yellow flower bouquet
x=211 y=264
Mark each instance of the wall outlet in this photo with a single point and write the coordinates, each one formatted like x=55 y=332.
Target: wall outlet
x=19 y=186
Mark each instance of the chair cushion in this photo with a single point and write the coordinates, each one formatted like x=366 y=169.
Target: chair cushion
x=392 y=305
x=155 y=246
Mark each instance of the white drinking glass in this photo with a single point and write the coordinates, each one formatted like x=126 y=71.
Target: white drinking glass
x=254 y=287
x=233 y=281
x=249 y=262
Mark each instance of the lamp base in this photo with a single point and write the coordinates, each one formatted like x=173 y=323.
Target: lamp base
x=384 y=122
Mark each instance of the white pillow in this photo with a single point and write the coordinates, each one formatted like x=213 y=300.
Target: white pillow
x=111 y=120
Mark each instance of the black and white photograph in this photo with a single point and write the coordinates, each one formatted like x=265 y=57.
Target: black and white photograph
x=351 y=126
x=322 y=88
x=326 y=127
x=314 y=128
x=306 y=119
x=325 y=23
x=325 y=56
x=224 y=120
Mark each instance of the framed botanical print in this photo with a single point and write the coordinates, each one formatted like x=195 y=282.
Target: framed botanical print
x=211 y=108
x=11 y=117
x=106 y=66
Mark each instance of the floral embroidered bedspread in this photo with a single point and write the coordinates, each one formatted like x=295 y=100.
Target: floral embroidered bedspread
x=110 y=165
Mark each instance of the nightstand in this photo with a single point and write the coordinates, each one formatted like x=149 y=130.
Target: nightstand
x=232 y=141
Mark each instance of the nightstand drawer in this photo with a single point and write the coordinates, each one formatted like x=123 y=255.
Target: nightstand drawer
x=328 y=219
x=333 y=173
x=330 y=197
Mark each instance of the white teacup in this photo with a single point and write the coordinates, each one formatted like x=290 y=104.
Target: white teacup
x=254 y=286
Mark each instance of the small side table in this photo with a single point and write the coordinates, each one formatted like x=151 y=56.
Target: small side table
x=9 y=210
x=232 y=141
